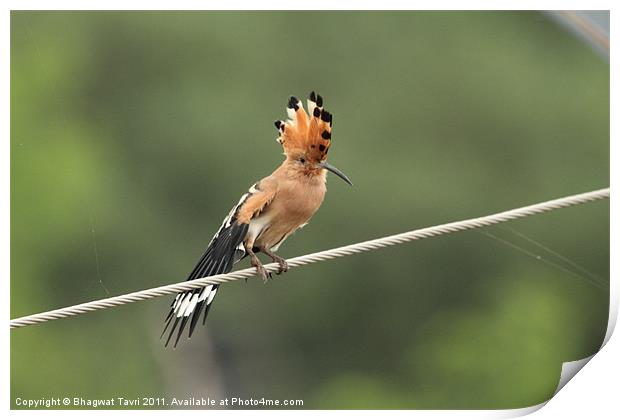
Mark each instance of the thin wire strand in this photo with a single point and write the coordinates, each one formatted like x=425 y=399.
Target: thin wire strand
x=545 y=261
x=584 y=271
x=94 y=238
x=357 y=248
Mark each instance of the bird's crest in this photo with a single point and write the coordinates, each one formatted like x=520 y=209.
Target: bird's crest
x=304 y=133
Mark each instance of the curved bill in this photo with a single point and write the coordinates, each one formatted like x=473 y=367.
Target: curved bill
x=336 y=171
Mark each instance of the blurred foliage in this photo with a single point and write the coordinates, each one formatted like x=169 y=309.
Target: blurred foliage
x=133 y=133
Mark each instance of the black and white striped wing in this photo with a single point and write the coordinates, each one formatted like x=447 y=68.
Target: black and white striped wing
x=224 y=250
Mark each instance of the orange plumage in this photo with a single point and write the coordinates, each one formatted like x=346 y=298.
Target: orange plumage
x=303 y=134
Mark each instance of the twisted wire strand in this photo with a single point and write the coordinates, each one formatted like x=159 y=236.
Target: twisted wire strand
x=343 y=251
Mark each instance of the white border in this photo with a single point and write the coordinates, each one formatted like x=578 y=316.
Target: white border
x=593 y=393
x=311 y=5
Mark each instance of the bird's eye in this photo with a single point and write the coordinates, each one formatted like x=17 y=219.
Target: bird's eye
x=302 y=160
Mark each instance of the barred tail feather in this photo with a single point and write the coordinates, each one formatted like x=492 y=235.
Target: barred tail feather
x=221 y=254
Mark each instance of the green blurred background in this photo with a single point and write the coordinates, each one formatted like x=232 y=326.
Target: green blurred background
x=132 y=135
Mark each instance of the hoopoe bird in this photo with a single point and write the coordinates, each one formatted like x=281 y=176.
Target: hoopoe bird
x=268 y=213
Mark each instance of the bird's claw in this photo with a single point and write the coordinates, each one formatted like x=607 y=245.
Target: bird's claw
x=283 y=265
x=260 y=270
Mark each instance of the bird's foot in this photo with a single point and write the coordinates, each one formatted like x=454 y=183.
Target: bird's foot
x=260 y=270
x=282 y=263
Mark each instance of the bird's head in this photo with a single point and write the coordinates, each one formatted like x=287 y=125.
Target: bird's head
x=306 y=137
